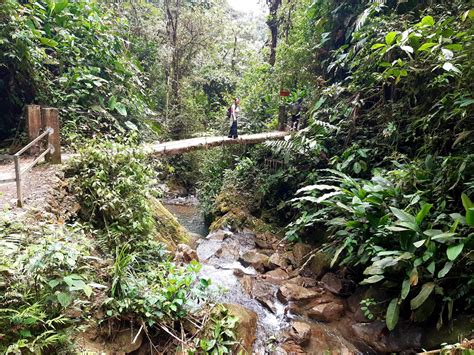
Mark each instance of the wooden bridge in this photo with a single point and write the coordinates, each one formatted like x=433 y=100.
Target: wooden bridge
x=186 y=145
x=44 y=122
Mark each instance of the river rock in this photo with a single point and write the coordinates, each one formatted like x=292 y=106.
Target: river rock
x=326 y=312
x=278 y=261
x=219 y=235
x=318 y=264
x=276 y=275
x=255 y=259
x=246 y=329
x=292 y=292
x=185 y=253
x=333 y=283
x=300 y=252
x=264 y=293
x=304 y=281
x=374 y=334
x=300 y=332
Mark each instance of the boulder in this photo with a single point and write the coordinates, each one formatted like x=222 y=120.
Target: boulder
x=219 y=235
x=318 y=264
x=276 y=275
x=292 y=292
x=184 y=253
x=326 y=312
x=246 y=329
x=277 y=260
x=264 y=293
x=127 y=341
x=255 y=259
x=300 y=252
x=300 y=332
x=304 y=281
x=377 y=337
x=335 y=284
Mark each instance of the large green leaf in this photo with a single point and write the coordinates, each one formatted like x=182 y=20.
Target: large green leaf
x=453 y=251
x=64 y=299
x=403 y=216
x=426 y=46
x=49 y=42
x=390 y=37
x=393 y=311
x=405 y=289
x=442 y=273
x=372 y=279
x=470 y=217
x=466 y=201
x=425 y=292
x=423 y=212
x=428 y=21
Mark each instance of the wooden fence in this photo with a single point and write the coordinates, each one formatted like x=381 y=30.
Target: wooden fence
x=41 y=123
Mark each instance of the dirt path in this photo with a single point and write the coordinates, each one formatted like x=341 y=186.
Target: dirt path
x=37 y=184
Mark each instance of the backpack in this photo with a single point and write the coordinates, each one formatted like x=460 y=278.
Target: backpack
x=229 y=112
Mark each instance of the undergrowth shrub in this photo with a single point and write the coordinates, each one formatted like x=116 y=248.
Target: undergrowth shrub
x=112 y=181
x=45 y=274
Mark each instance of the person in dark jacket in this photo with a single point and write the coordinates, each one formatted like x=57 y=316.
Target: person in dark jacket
x=234 y=112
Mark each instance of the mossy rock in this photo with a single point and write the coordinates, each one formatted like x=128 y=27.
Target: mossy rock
x=168 y=229
x=235 y=220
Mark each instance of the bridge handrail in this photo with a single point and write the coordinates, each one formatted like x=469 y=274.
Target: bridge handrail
x=16 y=159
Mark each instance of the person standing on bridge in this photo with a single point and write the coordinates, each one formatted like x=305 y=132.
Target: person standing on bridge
x=233 y=113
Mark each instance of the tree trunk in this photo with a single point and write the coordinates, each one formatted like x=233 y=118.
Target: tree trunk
x=272 y=23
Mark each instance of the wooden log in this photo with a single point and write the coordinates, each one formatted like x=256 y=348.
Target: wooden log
x=34 y=125
x=51 y=120
x=183 y=146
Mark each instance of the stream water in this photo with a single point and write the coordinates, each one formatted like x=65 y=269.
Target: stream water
x=219 y=257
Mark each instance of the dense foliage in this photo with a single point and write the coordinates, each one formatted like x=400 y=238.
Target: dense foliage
x=384 y=166
x=69 y=55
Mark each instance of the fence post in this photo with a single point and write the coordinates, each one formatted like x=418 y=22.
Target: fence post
x=33 y=122
x=19 y=192
x=51 y=119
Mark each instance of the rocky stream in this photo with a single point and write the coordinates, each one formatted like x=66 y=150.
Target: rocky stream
x=287 y=300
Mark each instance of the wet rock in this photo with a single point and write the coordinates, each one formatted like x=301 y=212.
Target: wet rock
x=266 y=240
x=318 y=264
x=292 y=292
x=276 y=275
x=326 y=312
x=278 y=261
x=257 y=260
x=300 y=332
x=264 y=293
x=300 y=253
x=184 y=253
x=304 y=281
x=219 y=235
x=335 y=284
x=247 y=284
x=208 y=248
x=247 y=328
x=290 y=347
x=381 y=340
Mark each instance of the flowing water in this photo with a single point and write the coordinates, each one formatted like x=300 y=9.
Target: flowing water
x=219 y=258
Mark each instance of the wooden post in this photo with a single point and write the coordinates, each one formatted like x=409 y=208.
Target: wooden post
x=33 y=123
x=19 y=192
x=282 y=118
x=51 y=120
